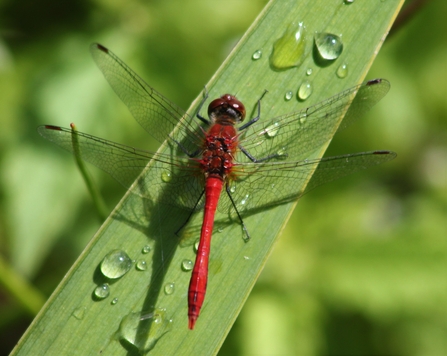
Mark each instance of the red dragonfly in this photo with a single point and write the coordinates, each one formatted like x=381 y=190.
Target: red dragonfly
x=259 y=165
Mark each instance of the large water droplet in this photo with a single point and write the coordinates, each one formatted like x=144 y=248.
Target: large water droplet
x=342 y=71
x=169 y=288
x=329 y=45
x=187 y=265
x=102 y=291
x=143 y=329
x=289 y=49
x=305 y=90
x=288 y=95
x=116 y=264
x=257 y=55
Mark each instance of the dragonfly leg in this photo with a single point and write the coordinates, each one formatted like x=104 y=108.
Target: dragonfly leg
x=190 y=214
x=247 y=235
x=198 y=115
x=259 y=160
x=255 y=119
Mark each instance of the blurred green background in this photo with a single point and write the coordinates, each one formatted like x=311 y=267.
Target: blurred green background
x=361 y=268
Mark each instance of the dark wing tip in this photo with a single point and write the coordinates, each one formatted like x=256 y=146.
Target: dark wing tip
x=100 y=47
x=52 y=127
x=376 y=81
x=391 y=155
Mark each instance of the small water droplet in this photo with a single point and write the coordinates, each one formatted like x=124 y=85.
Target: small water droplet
x=342 y=71
x=102 y=291
x=187 y=265
x=196 y=246
x=232 y=189
x=246 y=258
x=329 y=45
x=348 y=2
x=245 y=199
x=257 y=55
x=169 y=288
x=303 y=119
x=144 y=329
x=309 y=71
x=79 y=313
x=114 y=301
x=141 y=265
x=166 y=176
x=305 y=90
x=288 y=95
x=289 y=49
x=282 y=153
x=116 y=264
x=146 y=249
x=272 y=129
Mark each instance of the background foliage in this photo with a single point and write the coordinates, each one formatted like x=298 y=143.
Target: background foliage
x=361 y=267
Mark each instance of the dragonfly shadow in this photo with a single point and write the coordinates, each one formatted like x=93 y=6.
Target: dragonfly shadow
x=159 y=222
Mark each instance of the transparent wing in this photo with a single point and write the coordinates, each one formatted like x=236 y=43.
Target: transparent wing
x=153 y=111
x=296 y=134
x=260 y=185
x=179 y=178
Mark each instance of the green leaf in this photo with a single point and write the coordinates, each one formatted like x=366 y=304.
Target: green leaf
x=74 y=322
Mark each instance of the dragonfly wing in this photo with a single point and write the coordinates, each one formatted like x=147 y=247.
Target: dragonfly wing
x=297 y=134
x=153 y=111
x=258 y=186
x=178 y=177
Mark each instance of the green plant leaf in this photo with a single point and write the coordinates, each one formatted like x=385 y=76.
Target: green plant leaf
x=74 y=322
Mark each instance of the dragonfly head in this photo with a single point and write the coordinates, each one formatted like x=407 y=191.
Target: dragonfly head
x=226 y=108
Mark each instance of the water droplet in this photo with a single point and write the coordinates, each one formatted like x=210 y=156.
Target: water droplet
x=289 y=95
x=146 y=249
x=79 y=313
x=245 y=199
x=272 y=129
x=282 y=153
x=166 y=176
x=303 y=119
x=342 y=71
x=143 y=329
x=169 y=288
x=246 y=258
x=114 y=301
x=289 y=49
x=102 y=291
x=116 y=264
x=309 y=71
x=187 y=265
x=196 y=246
x=348 y=2
x=232 y=189
x=329 y=45
x=257 y=55
x=305 y=90
x=141 y=265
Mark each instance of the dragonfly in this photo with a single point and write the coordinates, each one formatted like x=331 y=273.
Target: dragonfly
x=258 y=164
